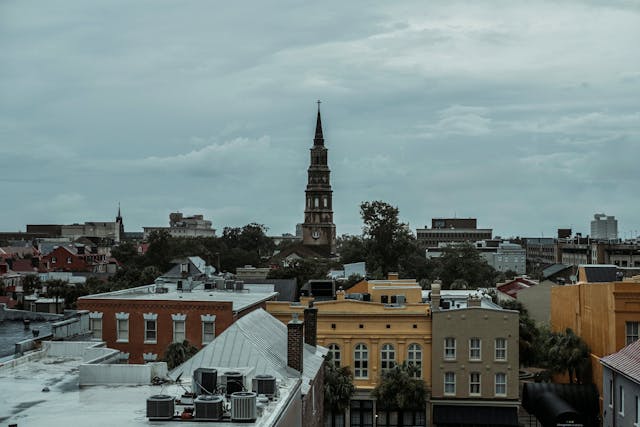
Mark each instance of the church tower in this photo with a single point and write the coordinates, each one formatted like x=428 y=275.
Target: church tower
x=318 y=229
x=119 y=231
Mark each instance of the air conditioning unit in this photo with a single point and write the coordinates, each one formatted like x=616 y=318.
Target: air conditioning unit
x=205 y=381
x=208 y=408
x=160 y=407
x=229 y=285
x=161 y=290
x=239 y=285
x=234 y=382
x=208 y=285
x=264 y=384
x=219 y=284
x=243 y=406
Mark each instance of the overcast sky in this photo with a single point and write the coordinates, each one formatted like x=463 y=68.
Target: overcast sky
x=525 y=115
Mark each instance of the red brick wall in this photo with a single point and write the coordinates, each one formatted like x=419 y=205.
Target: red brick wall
x=61 y=255
x=164 y=309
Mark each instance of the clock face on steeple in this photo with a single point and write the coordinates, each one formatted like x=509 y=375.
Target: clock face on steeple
x=315 y=234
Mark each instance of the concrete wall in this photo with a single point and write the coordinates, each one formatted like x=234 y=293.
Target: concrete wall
x=79 y=325
x=103 y=374
x=11 y=314
x=537 y=300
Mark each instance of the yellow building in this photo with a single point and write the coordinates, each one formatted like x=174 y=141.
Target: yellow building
x=605 y=314
x=370 y=336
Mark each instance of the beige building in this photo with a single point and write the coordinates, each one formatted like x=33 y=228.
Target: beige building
x=474 y=362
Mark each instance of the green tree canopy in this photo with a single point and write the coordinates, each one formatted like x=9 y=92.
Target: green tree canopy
x=399 y=389
x=463 y=262
x=338 y=387
x=179 y=352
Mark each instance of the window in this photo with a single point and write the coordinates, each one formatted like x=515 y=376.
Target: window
x=68 y=260
x=474 y=349
x=501 y=384
x=361 y=413
x=632 y=332
x=450 y=348
x=122 y=327
x=334 y=352
x=179 y=327
x=611 y=393
x=414 y=358
x=450 y=383
x=150 y=328
x=501 y=349
x=208 y=327
x=474 y=384
x=621 y=403
x=387 y=358
x=637 y=418
x=316 y=202
x=149 y=357
x=361 y=361
x=95 y=324
x=324 y=202
x=53 y=260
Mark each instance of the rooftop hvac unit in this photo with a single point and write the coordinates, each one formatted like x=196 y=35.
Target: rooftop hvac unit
x=161 y=290
x=208 y=408
x=264 y=384
x=219 y=284
x=205 y=381
x=400 y=299
x=235 y=382
x=208 y=285
x=243 y=406
x=229 y=285
x=160 y=407
x=239 y=285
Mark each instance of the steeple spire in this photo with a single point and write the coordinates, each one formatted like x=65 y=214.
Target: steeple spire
x=318 y=139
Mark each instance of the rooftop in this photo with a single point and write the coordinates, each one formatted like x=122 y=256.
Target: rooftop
x=626 y=361
x=240 y=299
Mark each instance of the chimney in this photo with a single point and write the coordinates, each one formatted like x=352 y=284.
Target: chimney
x=435 y=295
x=295 y=343
x=392 y=276
x=340 y=294
x=310 y=324
x=473 y=301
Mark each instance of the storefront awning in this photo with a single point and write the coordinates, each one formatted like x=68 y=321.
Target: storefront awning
x=497 y=416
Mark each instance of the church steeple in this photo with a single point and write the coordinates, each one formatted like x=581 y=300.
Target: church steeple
x=318 y=139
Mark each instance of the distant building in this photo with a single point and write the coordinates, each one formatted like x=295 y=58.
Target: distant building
x=540 y=250
x=604 y=227
x=98 y=229
x=446 y=230
x=184 y=226
x=507 y=257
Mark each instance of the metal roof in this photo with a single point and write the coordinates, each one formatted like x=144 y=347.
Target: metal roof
x=257 y=340
x=626 y=361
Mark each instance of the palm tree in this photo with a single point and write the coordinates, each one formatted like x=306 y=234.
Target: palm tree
x=569 y=353
x=338 y=387
x=399 y=390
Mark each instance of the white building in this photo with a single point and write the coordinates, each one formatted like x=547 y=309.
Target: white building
x=508 y=256
x=184 y=226
x=604 y=227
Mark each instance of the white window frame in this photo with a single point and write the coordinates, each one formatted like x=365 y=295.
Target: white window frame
x=95 y=319
x=632 y=330
x=475 y=349
x=475 y=384
x=336 y=357
x=414 y=357
x=179 y=319
x=208 y=320
x=122 y=319
x=449 y=348
x=497 y=383
x=361 y=361
x=387 y=357
x=148 y=318
x=621 y=402
x=500 y=354
x=449 y=382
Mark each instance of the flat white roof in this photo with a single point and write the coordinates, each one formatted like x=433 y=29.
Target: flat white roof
x=23 y=402
x=239 y=299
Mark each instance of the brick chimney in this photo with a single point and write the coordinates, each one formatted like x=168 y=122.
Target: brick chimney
x=295 y=343
x=392 y=275
x=435 y=295
x=311 y=324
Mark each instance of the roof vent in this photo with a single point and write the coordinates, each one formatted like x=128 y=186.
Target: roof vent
x=208 y=408
x=243 y=406
x=160 y=407
x=264 y=384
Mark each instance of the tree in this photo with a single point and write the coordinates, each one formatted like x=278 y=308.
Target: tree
x=338 y=387
x=159 y=252
x=303 y=270
x=463 y=262
x=351 y=249
x=30 y=283
x=56 y=289
x=400 y=390
x=530 y=349
x=179 y=352
x=149 y=274
x=569 y=353
x=387 y=239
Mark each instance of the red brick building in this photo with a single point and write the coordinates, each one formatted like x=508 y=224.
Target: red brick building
x=142 y=322
x=64 y=259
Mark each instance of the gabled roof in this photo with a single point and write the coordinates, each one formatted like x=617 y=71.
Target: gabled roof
x=257 y=340
x=514 y=286
x=626 y=361
x=554 y=269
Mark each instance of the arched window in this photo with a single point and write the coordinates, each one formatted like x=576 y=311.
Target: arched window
x=387 y=357
x=316 y=203
x=334 y=351
x=361 y=361
x=325 y=202
x=414 y=358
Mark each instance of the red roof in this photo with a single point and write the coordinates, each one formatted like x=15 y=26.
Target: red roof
x=516 y=285
x=626 y=361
